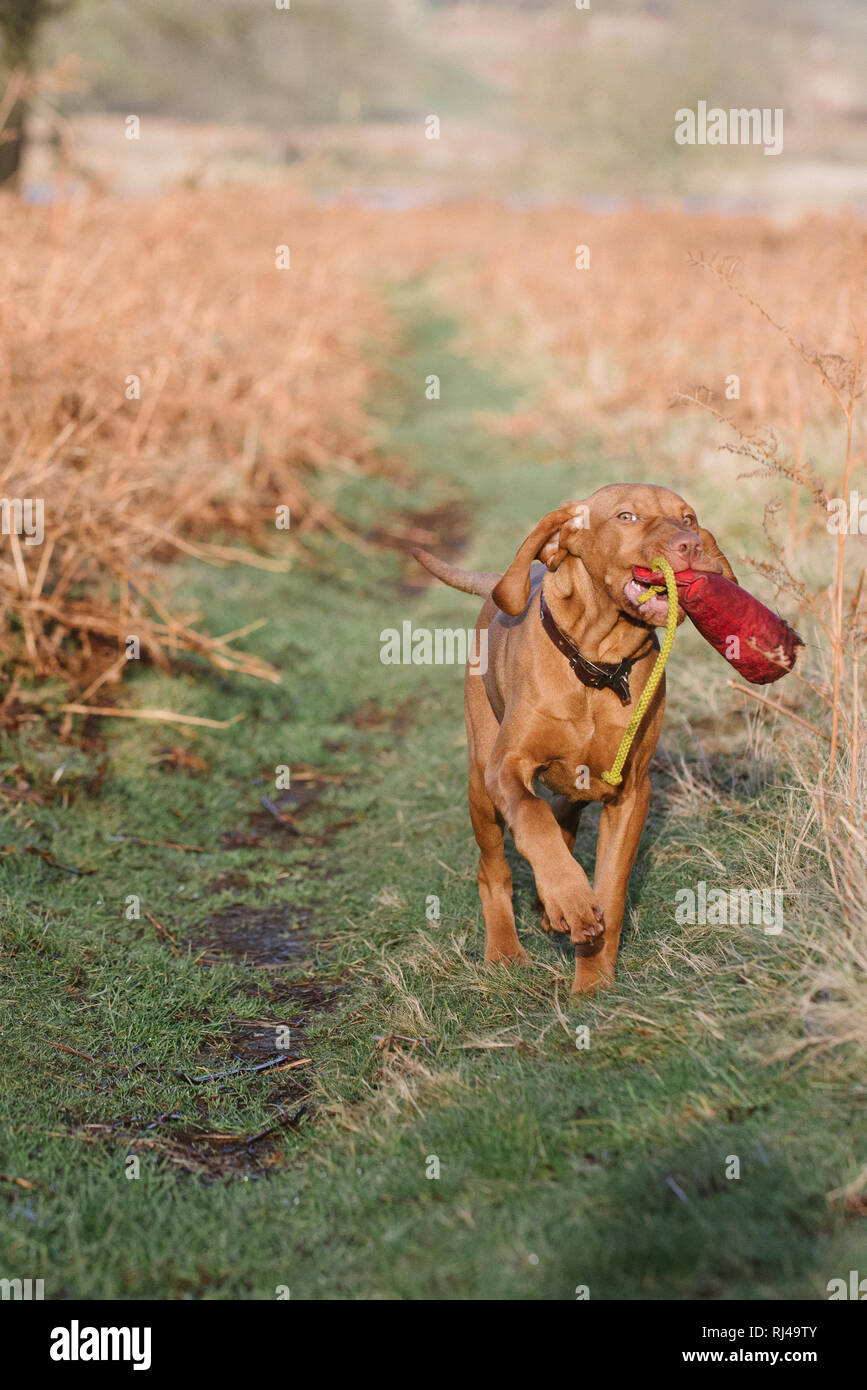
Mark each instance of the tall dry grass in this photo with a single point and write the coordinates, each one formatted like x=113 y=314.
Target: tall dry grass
x=815 y=848
x=822 y=848
x=251 y=379
x=614 y=342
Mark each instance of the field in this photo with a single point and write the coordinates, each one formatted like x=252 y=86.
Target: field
x=250 y=1039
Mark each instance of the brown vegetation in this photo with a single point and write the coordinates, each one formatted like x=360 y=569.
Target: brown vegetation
x=250 y=378
x=253 y=378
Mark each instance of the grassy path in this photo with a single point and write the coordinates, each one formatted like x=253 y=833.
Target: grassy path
x=559 y=1166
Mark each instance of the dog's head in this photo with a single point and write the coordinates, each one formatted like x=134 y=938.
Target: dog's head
x=621 y=527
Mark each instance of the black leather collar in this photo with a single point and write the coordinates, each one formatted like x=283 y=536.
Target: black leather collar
x=604 y=675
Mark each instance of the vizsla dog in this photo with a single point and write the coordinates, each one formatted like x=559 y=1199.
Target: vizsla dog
x=569 y=652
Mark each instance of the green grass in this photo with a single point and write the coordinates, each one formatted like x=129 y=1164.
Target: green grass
x=559 y=1166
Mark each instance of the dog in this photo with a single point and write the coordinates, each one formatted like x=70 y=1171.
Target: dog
x=569 y=651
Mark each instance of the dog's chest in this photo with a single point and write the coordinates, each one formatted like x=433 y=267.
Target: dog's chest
x=582 y=750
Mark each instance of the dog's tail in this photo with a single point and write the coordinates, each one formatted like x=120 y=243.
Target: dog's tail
x=469 y=581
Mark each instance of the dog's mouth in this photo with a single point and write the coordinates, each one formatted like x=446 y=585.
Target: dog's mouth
x=654 y=610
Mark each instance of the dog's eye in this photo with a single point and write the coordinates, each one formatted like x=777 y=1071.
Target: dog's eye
x=689 y=520
x=626 y=516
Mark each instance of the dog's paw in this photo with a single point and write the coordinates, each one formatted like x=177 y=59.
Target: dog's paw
x=546 y=924
x=581 y=917
x=591 y=975
x=513 y=955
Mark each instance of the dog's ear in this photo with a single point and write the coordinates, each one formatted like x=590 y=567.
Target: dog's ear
x=713 y=552
x=546 y=542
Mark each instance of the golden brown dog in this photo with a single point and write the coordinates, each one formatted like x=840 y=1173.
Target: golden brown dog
x=532 y=716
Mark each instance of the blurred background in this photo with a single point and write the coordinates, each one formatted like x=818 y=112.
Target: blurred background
x=539 y=101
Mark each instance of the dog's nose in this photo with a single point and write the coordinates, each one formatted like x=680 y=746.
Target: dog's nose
x=684 y=550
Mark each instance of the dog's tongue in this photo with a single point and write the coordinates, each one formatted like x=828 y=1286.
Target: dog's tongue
x=759 y=644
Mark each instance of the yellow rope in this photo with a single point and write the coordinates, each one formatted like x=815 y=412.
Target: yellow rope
x=614 y=778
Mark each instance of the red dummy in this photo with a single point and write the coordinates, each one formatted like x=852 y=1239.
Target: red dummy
x=766 y=646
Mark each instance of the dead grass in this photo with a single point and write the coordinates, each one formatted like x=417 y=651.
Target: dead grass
x=614 y=343
x=249 y=378
x=828 y=811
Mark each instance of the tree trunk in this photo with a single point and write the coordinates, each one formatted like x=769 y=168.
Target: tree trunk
x=12 y=143
x=19 y=26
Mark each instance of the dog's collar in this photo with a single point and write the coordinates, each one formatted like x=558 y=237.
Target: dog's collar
x=598 y=675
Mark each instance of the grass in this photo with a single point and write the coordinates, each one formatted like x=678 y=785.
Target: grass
x=559 y=1166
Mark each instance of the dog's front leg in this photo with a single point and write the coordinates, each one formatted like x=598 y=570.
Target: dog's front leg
x=562 y=884
x=620 y=825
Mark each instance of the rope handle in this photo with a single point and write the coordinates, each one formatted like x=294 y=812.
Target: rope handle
x=614 y=777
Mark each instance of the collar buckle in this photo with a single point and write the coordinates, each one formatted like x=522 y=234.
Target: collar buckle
x=605 y=675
